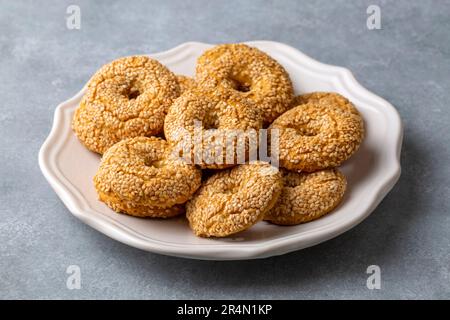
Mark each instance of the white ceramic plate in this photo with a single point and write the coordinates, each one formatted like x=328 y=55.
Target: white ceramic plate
x=371 y=172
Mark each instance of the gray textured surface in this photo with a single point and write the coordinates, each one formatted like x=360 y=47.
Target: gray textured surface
x=407 y=62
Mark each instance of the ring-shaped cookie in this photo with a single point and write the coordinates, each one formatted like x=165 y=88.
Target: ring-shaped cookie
x=316 y=136
x=307 y=196
x=126 y=98
x=142 y=177
x=233 y=200
x=249 y=72
x=212 y=130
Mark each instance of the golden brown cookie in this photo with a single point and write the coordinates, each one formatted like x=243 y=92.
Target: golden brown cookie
x=318 y=135
x=212 y=127
x=233 y=200
x=126 y=98
x=142 y=177
x=248 y=72
x=307 y=196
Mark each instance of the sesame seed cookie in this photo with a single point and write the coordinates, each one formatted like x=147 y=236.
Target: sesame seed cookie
x=211 y=127
x=126 y=98
x=233 y=200
x=307 y=196
x=318 y=135
x=142 y=177
x=186 y=83
x=249 y=72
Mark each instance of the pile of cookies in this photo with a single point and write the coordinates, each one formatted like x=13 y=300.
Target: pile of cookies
x=146 y=122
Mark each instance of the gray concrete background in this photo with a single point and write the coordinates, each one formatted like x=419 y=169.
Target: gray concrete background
x=407 y=62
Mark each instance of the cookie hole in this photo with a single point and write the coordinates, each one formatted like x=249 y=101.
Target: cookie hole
x=132 y=94
x=209 y=126
x=241 y=85
x=153 y=163
x=304 y=130
x=210 y=121
x=308 y=132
